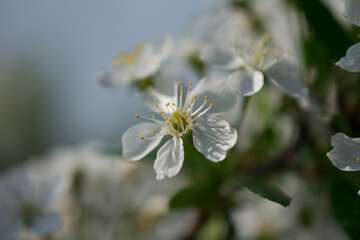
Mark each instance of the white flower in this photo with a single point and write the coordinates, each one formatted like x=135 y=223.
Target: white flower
x=251 y=61
x=351 y=62
x=23 y=206
x=138 y=65
x=346 y=152
x=185 y=112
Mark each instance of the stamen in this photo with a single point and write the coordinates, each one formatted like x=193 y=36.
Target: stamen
x=157 y=105
x=181 y=95
x=357 y=18
x=142 y=138
x=261 y=46
x=358 y=159
x=151 y=119
x=207 y=109
x=202 y=105
x=154 y=131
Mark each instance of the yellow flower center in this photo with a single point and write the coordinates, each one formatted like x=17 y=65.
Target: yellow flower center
x=128 y=58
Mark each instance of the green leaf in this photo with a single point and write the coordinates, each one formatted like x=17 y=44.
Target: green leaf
x=346 y=202
x=264 y=189
x=325 y=27
x=190 y=196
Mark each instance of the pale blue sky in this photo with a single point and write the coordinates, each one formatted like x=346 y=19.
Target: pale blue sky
x=71 y=40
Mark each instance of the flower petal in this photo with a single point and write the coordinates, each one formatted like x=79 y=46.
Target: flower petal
x=345 y=153
x=169 y=159
x=133 y=147
x=285 y=76
x=220 y=57
x=352 y=11
x=113 y=78
x=10 y=227
x=351 y=62
x=216 y=91
x=246 y=82
x=152 y=57
x=213 y=136
x=45 y=224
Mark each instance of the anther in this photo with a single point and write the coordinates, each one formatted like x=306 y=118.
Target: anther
x=173 y=104
x=190 y=83
x=137 y=115
x=167 y=104
x=180 y=83
x=167 y=123
x=157 y=105
x=161 y=112
x=154 y=131
x=176 y=132
x=211 y=104
x=166 y=118
x=152 y=95
x=179 y=110
x=194 y=97
x=153 y=117
x=189 y=106
x=142 y=138
x=277 y=57
x=357 y=18
x=206 y=97
x=116 y=62
x=358 y=159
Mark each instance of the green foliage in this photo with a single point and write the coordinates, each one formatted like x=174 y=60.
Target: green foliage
x=264 y=189
x=345 y=202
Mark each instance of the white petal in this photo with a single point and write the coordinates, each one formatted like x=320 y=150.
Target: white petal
x=133 y=147
x=215 y=89
x=351 y=62
x=170 y=158
x=220 y=57
x=352 y=11
x=9 y=227
x=246 y=82
x=345 y=153
x=213 y=137
x=158 y=98
x=152 y=57
x=117 y=78
x=165 y=48
x=45 y=224
x=285 y=76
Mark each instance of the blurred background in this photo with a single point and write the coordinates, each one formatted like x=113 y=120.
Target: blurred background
x=50 y=54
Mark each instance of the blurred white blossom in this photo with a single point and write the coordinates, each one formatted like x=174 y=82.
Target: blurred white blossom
x=250 y=60
x=24 y=205
x=351 y=62
x=138 y=65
